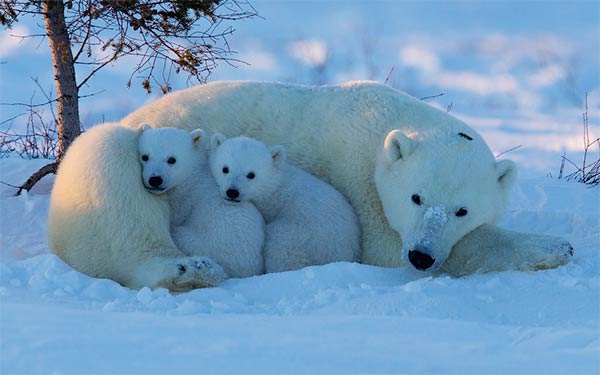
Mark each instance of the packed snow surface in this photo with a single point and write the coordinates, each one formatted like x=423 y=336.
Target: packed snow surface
x=342 y=318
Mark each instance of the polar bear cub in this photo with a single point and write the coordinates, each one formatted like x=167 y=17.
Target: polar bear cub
x=308 y=222
x=174 y=163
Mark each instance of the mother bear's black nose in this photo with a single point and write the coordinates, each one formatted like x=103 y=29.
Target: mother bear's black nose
x=420 y=260
x=155 y=181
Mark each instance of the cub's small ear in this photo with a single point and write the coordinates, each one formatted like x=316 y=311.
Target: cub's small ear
x=278 y=154
x=216 y=140
x=198 y=136
x=143 y=127
x=397 y=146
x=506 y=172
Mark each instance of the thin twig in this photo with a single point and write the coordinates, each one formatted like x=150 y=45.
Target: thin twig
x=507 y=151
x=432 y=96
x=389 y=75
x=587 y=173
x=7 y=184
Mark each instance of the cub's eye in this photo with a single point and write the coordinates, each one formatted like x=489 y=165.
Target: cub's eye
x=145 y=157
x=225 y=170
x=171 y=160
x=462 y=212
x=416 y=199
x=250 y=175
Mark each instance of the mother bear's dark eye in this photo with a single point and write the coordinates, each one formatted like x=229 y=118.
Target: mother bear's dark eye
x=416 y=199
x=251 y=175
x=462 y=212
x=171 y=160
x=225 y=170
x=145 y=157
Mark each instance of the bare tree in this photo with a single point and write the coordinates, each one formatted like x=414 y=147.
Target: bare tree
x=166 y=36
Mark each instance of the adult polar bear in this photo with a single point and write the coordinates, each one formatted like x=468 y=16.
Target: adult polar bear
x=395 y=158
x=104 y=223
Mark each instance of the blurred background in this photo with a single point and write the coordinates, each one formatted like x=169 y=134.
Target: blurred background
x=517 y=71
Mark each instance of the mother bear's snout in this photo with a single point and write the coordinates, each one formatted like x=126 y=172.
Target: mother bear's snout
x=420 y=260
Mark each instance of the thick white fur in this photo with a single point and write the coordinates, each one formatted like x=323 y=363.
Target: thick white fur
x=308 y=222
x=202 y=222
x=337 y=133
x=105 y=224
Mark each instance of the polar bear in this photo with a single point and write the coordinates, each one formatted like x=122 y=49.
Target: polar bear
x=125 y=239
x=100 y=209
x=174 y=162
x=307 y=221
x=344 y=134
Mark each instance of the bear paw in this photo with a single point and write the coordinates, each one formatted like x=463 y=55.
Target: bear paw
x=553 y=252
x=207 y=270
x=191 y=273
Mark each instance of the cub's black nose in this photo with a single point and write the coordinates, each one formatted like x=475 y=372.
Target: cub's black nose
x=155 y=181
x=232 y=193
x=420 y=260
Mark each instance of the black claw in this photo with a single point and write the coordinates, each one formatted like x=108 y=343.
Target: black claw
x=571 y=252
x=181 y=268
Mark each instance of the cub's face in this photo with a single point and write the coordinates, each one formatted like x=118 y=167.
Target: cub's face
x=167 y=156
x=245 y=169
x=433 y=195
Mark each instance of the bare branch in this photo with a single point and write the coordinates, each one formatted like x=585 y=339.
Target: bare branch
x=585 y=173
x=507 y=151
x=389 y=75
x=37 y=176
x=432 y=96
x=91 y=74
x=86 y=37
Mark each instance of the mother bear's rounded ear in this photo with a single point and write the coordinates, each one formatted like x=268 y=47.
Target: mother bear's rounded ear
x=397 y=146
x=506 y=173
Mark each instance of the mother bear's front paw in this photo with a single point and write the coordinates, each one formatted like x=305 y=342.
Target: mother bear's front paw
x=192 y=273
x=208 y=270
x=552 y=252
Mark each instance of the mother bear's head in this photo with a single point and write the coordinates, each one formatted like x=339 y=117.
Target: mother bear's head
x=437 y=186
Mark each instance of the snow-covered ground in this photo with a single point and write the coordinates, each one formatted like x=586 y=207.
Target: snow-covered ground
x=516 y=71
x=341 y=318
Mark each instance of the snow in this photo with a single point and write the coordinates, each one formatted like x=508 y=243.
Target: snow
x=337 y=318
x=515 y=71
x=434 y=220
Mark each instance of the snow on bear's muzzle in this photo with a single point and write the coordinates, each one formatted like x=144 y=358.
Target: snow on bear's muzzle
x=423 y=249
